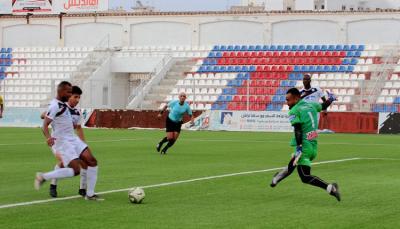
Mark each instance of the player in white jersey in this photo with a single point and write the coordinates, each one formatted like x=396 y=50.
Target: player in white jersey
x=66 y=143
x=312 y=94
x=81 y=145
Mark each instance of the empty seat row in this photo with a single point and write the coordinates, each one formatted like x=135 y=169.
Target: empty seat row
x=27 y=82
x=38 y=75
x=385 y=108
x=288 y=47
x=336 y=84
x=22 y=104
x=39 y=89
x=48 y=62
x=285 y=54
x=280 y=61
x=10 y=96
x=6 y=50
x=197 y=91
x=390 y=84
x=195 y=83
x=57 y=55
x=52 y=49
x=385 y=99
x=41 y=69
x=392 y=92
x=338 y=76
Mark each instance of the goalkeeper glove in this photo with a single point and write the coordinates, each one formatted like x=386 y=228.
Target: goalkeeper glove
x=331 y=97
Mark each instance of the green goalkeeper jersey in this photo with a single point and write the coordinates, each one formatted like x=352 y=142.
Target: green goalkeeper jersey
x=305 y=113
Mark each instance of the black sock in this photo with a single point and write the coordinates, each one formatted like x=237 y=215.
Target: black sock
x=306 y=177
x=169 y=144
x=164 y=140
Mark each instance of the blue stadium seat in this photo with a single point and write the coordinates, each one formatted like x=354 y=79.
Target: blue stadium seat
x=237 y=48
x=279 y=48
x=272 y=48
x=353 y=48
x=296 y=68
x=215 y=106
x=245 y=69
x=299 y=76
x=252 y=68
x=215 y=48
x=353 y=61
x=327 y=68
x=218 y=54
x=311 y=68
x=317 y=48
x=397 y=100
x=324 y=48
x=252 y=48
x=211 y=55
x=361 y=48
x=265 y=48
x=287 y=48
x=243 y=48
x=209 y=69
x=346 y=48
x=319 y=68
x=9 y=50
x=294 y=48
x=246 y=76
x=258 y=48
x=357 y=54
x=339 y=48
x=229 y=48
x=301 y=48
x=334 y=69
x=230 y=69
x=222 y=48
x=237 y=68
x=350 y=68
x=342 y=69
x=304 y=68
x=331 y=48
x=350 y=54
x=292 y=76
x=309 y=48
x=201 y=69
x=345 y=61
x=3 y=50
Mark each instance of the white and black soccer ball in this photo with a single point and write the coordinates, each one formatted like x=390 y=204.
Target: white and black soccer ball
x=136 y=195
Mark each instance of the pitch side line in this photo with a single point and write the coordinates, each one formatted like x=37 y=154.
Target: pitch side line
x=169 y=183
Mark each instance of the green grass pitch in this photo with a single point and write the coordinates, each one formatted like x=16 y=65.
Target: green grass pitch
x=127 y=158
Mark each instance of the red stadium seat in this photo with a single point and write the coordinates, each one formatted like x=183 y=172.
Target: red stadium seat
x=246 y=54
x=267 y=68
x=236 y=98
x=283 y=54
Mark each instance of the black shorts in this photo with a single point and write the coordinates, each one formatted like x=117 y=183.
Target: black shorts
x=172 y=126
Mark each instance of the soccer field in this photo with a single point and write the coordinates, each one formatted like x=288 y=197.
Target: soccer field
x=365 y=166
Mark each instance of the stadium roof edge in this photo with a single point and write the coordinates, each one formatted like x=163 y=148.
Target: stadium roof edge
x=194 y=13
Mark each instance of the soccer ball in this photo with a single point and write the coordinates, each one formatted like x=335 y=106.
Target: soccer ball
x=136 y=195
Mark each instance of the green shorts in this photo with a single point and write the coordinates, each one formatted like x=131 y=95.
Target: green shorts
x=309 y=153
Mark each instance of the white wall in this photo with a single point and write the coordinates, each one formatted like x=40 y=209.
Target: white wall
x=374 y=31
x=30 y=35
x=231 y=32
x=305 y=32
x=90 y=34
x=304 y=5
x=160 y=33
x=134 y=64
x=203 y=29
x=273 y=5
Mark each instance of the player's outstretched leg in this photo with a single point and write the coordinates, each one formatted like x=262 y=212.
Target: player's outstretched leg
x=73 y=170
x=279 y=176
x=161 y=143
x=306 y=177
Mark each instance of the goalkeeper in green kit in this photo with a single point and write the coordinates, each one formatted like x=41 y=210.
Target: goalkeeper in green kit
x=303 y=117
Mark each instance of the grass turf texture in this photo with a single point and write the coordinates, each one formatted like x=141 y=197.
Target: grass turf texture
x=128 y=158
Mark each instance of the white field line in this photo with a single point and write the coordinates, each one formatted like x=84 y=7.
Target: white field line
x=208 y=140
x=168 y=183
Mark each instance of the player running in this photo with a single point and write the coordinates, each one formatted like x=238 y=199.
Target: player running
x=303 y=117
x=174 y=121
x=70 y=147
x=77 y=122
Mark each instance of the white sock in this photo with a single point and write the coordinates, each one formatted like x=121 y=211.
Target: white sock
x=59 y=174
x=329 y=188
x=83 y=184
x=91 y=180
x=54 y=181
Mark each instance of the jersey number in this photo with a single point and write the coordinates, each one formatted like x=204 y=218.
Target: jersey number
x=312 y=119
